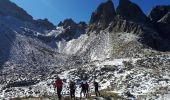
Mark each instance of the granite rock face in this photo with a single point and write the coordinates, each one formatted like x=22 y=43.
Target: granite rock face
x=72 y=30
x=44 y=23
x=158 y=12
x=160 y=16
x=101 y=18
x=8 y=8
x=130 y=11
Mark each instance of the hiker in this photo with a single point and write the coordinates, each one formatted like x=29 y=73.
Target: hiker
x=87 y=89
x=83 y=89
x=59 y=86
x=96 y=87
x=129 y=95
x=72 y=89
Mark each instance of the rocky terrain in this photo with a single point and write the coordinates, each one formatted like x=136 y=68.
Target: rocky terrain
x=123 y=49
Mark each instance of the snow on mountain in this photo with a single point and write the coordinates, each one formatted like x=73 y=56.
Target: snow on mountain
x=126 y=75
x=123 y=53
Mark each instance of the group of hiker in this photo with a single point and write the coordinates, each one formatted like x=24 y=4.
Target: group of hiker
x=72 y=87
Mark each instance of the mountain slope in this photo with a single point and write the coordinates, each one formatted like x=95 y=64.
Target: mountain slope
x=120 y=49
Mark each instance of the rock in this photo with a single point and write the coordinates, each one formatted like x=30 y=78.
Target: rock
x=72 y=30
x=44 y=24
x=8 y=8
x=165 y=19
x=82 y=25
x=68 y=23
x=158 y=12
x=130 y=11
x=160 y=16
x=119 y=25
x=103 y=15
x=22 y=83
x=163 y=26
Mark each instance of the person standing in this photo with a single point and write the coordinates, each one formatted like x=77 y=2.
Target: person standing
x=59 y=86
x=83 y=89
x=72 y=89
x=87 y=89
x=96 y=87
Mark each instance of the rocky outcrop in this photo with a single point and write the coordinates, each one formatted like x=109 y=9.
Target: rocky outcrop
x=165 y=19
x=102 y=17
x=67 y=23
x=119 y=25
x=131 y=11
x=44 y=24
x=163 y=26
x=8 y=8
x=158 y=12
x=22 y=83
x=72 y=30
x=127 y=18
x=160 y=16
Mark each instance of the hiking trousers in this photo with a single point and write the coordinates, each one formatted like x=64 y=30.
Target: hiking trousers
x=72 y=93
x=59 y=93
x=97 y=92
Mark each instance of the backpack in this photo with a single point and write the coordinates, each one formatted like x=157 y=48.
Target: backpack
x=87 y=86
x=72 y=85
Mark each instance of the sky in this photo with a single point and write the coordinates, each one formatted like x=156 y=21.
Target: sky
x=78 y=10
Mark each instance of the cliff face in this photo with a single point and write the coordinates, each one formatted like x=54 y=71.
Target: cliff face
x=159 y=15
x=101 y=18
x=131 y=11
x=8 y=8
x=158 y=12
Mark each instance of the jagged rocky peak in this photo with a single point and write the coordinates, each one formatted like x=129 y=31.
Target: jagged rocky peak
x=70 y=24
x=67 y=23
x=82 y=25
x=158 y=12
x=160 y=16
x=7 y=8
x=130 y=11
x=44 y=23
x=163 y=26
x=72 y=30
x=103 y=15
x=165 y=19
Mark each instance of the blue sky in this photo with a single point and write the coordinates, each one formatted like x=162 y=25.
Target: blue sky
x=78 y=10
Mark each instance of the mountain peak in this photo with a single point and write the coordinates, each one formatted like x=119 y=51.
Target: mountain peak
x=67 y=23
x=44 y=23
x=166 y=18
x=104 y=14
x=7 y=8
x=158 y=12
x=130 y=11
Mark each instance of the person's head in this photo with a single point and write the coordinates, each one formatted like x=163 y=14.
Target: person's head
x=57 y=77
x=94 y=81
x=84 y=82
x=73 y=80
